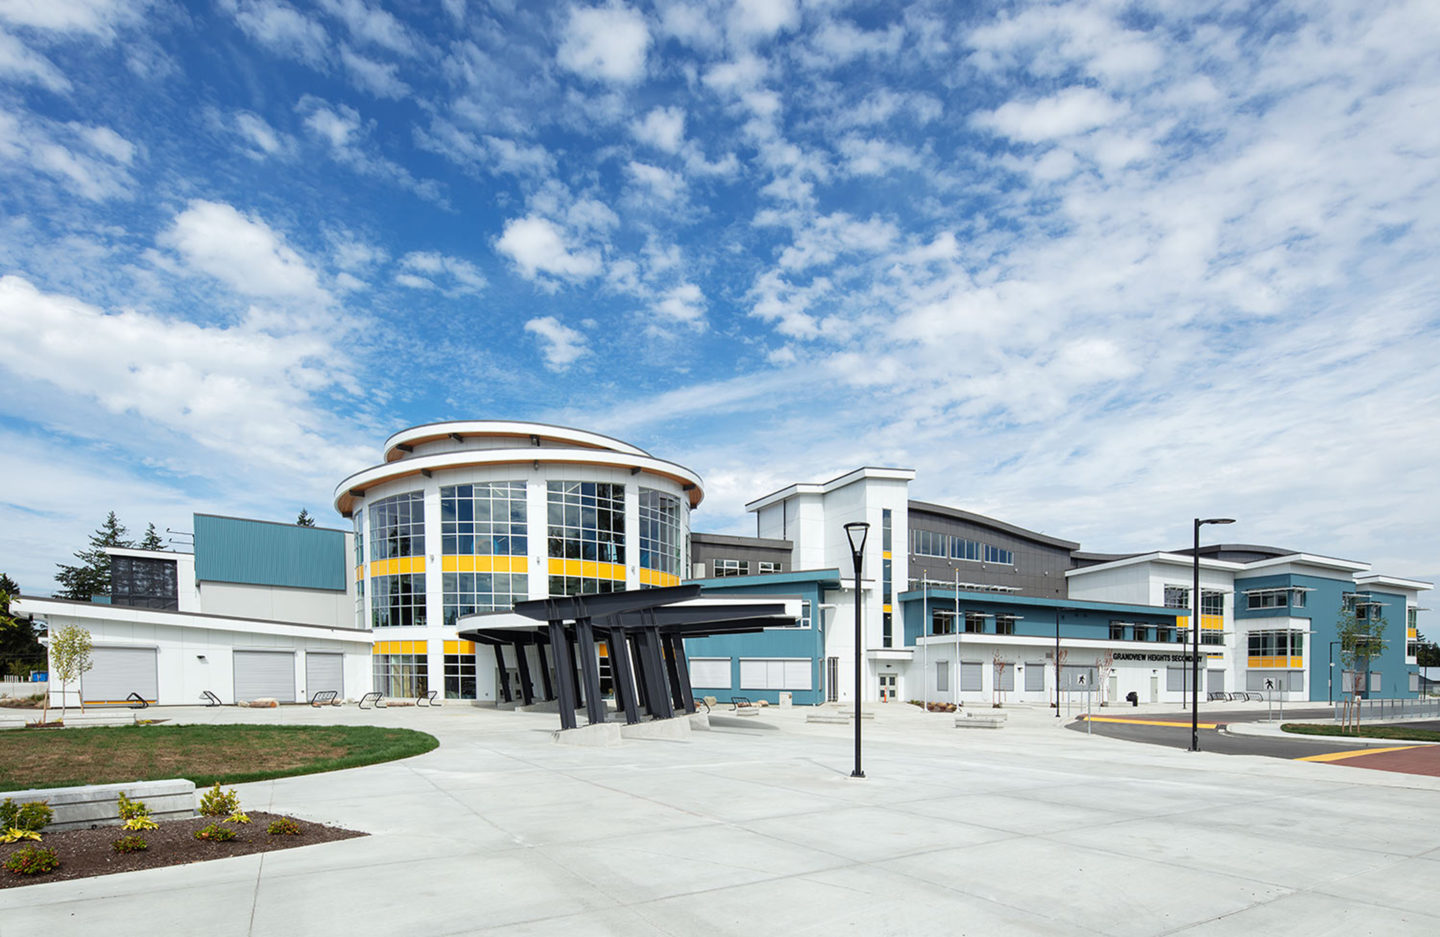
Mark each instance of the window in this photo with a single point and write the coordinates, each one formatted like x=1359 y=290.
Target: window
x=929 y=543
x=1212 y=636
x=1297 y=598
x=1165 y=635
x=397 y=526
x=725 y=568
x=467 y=593
x=962 y=549
x=1117 y=631
x=1412 y=648
x=805 y=615
x=887 y=617
x=1412 y=618
x=401 y=675
x=942 y=622
x=142 y=582
x=766 y=566
x=585 y=521
x=711 y=673
x=1212 y=602
x=486 y=519
x=1269 y=599
x=774 y=674
x=933 y=543
x=662 y=532
x=397 y=601
x=998 y=555
x=359 y=521
x=1177 y=597
x=974 y=623
x=942 y=676
x=1275 y=643
x=460 y=676
x=1005 y=624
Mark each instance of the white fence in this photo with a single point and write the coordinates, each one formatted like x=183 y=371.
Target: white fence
x=13 y=686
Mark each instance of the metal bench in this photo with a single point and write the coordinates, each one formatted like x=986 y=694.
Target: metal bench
x=427 y=699
x=374 y=699
x=739 y=702
x=323 y=698
x=1216 y=697
x=702 y=702
x=211 y=699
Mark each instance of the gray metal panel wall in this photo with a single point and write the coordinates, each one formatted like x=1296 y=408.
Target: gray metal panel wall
x=708 y=553
x=324 y=672
x=1039 y=569
x=265 y=675
x=119 y=671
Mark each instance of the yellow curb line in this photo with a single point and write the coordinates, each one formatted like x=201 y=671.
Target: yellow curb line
x=1340 y=756
x=1151 y=722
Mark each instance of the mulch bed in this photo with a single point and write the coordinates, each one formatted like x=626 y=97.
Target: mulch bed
x=84 y=853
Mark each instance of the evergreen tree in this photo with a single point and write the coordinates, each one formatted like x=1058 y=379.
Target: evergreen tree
x=20 y=650
x=92 y=576
x=1428 y=654
x=305 y=520
x=151 y=540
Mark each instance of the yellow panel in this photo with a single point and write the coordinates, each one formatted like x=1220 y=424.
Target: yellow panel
x=612 y=571
x=466 y=647
x=603 y=647
x=885 y=554
x=452 y=647
x=1411 y=633
x=1296 y=663
x=450 y=564
x=360 y=572
x=1212 y=622
x=589 y=569
x=886 y=608
x=555 y=567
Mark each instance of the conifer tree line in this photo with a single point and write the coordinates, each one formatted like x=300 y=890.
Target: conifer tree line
x=91 y=576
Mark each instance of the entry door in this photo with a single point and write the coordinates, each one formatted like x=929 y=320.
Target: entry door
x=1154 y=688
x=832 y=678
x=887 y=687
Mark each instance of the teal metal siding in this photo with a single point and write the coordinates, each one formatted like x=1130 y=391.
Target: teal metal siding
x=230 y=549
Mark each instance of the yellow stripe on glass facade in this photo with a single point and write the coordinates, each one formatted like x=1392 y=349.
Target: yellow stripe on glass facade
x=397 y=566
x=459 y=647
x=1207 y=622
x=399 y=647
x=589 y=569
x=654 y=577
x=484 y=564
x=1282 y=663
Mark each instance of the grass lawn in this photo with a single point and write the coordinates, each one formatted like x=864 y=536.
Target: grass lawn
x=203 y=754
x=1397 y=733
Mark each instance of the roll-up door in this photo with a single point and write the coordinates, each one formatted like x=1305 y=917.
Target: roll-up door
x=265 y=675
x=117 y=672
x=1215 y=681
x=324 y=672
x=1035 y=676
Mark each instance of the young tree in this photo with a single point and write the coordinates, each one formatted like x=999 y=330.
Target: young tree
x=1104 y=666
x=1427 y=654
x=69 y=658
x=151 y=540
x=304 y=520
x=92 y=576
x=1362 y=639
x=1000 y=665
x=20 y=651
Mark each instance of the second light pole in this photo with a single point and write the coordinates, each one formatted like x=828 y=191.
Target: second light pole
x=857 y=532
x=1195 y=629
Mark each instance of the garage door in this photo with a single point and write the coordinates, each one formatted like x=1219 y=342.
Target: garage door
x=118 y=672
x=324 y=672
x=265 y=675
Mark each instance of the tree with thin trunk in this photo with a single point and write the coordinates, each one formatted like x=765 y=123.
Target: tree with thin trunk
x=92 y=576
x=70 y=649
x=1104 y=665
x=1362 y=639
x=1000 y=664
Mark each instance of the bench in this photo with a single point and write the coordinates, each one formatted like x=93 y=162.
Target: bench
x=702 y=702
x=427 y=699
x=739 y=702
x=374 y=699
x=1216 y=697
x=1254 y=697
x=211 y=699
x=980 y=721
x=324 y=698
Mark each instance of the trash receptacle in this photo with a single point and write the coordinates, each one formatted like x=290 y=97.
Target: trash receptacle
x=1133 y=698
x=786 y=698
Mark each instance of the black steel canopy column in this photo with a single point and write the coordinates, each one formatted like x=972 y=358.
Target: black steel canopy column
x=522 y=661
x=504 y=674
x=589 y=670
x=564 y=675
x=544 y=669
x=621 y=675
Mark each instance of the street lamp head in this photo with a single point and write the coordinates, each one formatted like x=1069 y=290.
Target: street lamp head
x=857 y=532
x=1200 y=522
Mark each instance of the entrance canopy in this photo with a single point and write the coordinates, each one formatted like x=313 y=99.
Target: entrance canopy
x=644 y=632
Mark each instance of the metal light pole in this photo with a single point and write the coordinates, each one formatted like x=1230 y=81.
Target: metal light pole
x=856 y=532
x=1195 y=629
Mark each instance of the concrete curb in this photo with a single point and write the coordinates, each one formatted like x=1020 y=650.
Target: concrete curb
x=1273 y=731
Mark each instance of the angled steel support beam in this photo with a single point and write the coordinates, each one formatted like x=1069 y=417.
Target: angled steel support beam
x=564 y=674
x=589 y=670
x=504 y=674
x=522 y=661
x=621 y=673
x=679 y=671
x=657 y=696
x=544 y=670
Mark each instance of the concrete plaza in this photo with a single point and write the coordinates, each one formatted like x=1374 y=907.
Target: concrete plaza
x=755 y=828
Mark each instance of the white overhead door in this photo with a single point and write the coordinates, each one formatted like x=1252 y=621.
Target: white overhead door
x=324 y=672
x=265 y=675
x=118 y=672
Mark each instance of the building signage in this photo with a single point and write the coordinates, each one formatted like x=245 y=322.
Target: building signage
x=1178 y=658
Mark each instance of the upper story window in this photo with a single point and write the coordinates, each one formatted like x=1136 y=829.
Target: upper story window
x=397 y=526
x=662 y=532
x=586 y=521
x=143 y=582
x=732 y=568
x=933 y=543
x=485 y=519
x=930 y=543
x=1362 y=605
x=359 y=536
x=767 y=566
x=1276 y=643
x=1412 y=618
x=1211 y=602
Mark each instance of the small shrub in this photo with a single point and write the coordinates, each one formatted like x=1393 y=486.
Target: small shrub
x=215 y=833
x=15 y=834
x=32 y=861
x=237 y=817
x=218 y=803
x=32 y=815
x=283 y=827
x=135 y=814
x=130 y=844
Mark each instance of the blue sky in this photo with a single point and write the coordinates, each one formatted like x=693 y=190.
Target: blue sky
x=1093 y=267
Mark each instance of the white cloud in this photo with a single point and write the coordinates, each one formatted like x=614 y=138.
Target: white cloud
x=875 y=157
x=347 y=136
x=282 y=29
x=662 y=128
x=339 y=126
x=539 y=246
x=606 y=43
x=662 y=183
x=560 y=344
x=87 y=161
x=18 y=62
x=264 y=139
x=96 y=17
x=684 y=304
x=379 y=78
x=372 y=25
x=839 y=42
x=1073 y=111
x=763 y=18
x=423 y=268
x=242 y=252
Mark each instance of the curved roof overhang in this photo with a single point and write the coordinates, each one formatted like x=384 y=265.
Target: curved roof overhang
x=395 y=447
x=355 y=486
